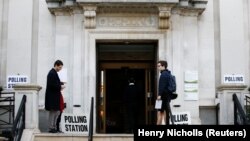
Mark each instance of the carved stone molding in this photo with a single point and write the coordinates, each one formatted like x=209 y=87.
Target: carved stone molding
x=89 y=16
x=191 y=7
x=164 y=16
x=67 y=11
x=128 y=20
x=76 y=10
x=61 y=11
x=126 y=1
x=186 y=7
x=61 y=7
x=126 y=9
x=190 y=11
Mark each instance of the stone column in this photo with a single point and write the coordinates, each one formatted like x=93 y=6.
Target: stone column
x=19 y=36
x=234 y=46
x=64 y=50
x=31 y=115
x=1 y=23
x=225 y=96
x=189 y=45
x=3 y=40
x=76 y=61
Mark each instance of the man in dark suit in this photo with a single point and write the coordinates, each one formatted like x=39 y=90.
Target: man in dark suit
x=52 y=95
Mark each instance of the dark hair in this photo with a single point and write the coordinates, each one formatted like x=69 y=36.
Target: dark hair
x=163 y=63
x=58 y=63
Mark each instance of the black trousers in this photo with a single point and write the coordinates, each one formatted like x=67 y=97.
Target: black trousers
x=166 y=107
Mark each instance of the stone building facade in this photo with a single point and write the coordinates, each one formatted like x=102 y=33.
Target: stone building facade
x=207 y=38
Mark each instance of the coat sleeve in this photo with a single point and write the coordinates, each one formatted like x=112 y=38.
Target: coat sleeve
x=163 y=82
x=53 y=82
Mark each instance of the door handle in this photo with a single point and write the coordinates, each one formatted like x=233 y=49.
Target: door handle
x=149 y=94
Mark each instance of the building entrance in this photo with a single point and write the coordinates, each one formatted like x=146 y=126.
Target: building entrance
x=126 y=88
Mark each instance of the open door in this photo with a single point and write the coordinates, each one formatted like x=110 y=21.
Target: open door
x=116 y=62
x=101 y=102
x=112 y=85
x=150 y=96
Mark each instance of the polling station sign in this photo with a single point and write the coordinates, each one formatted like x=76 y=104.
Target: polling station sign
x=75 y=123
x=233 y=79
x=16 y=79
x=181 y=118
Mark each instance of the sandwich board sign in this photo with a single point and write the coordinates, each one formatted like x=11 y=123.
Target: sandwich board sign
x=181 y=118
x=75 y=123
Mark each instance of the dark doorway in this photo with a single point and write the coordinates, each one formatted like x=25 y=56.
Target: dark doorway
x=117 y=120
x=117 y=61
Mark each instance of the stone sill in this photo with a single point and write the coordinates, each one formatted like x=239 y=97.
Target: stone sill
x=55 y=0
x=27 y=87
x=231 y=87
x=128 y=1
x=207 y=102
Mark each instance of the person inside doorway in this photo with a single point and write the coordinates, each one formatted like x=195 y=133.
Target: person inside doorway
x=163 y=94
x=130 y=106
x=52 y=95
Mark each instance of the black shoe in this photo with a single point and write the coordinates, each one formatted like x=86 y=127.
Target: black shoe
x=58 y=131
x=52 y=131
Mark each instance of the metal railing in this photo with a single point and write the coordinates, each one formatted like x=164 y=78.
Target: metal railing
x=240 y=117
x=19 y=122
x=217 y=108
x=247 y=107
x=90 y=138
x=7 y=101
x=170 y=114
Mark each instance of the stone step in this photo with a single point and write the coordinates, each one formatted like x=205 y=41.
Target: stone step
x=3 y=139
x=72 y=137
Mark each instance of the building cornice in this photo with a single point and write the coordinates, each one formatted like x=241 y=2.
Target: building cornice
x=132 y=5
x=127 y=1
x=91 y=8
